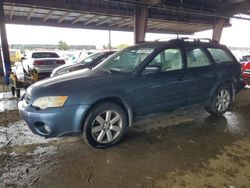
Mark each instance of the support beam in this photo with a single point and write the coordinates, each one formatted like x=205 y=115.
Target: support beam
x=6 y=66
x=105 y=21
x=129 y=22
x=30 y=13
x=77 y=19
x=153 y=25
x=92 y=19
x=110 y=44
x=117 y=22
x=218 y=28
x=47 y=16
x=63 y=17
x=140 y=23
x=11 y=12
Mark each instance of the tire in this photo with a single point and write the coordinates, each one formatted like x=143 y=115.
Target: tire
x=105 y=125
x=221 y=101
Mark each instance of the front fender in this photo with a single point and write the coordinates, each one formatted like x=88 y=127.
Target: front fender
x=121 y=96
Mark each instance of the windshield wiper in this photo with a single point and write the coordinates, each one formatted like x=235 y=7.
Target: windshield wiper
x=115 y=70
x=103 y=70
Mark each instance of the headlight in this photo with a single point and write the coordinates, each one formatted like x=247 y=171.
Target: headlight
x=50 y=102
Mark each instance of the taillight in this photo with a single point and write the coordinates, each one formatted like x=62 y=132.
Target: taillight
x=39 y=63
x=60 y=62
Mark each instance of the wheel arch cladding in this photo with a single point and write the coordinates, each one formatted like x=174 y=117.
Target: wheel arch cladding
x=231 y=85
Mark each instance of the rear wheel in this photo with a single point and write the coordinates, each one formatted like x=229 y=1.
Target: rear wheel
x=105 y=125
x=220 y=101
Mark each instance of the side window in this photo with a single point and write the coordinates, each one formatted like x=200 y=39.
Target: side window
x=196 y=57
x=220 y=56
x=168 y=60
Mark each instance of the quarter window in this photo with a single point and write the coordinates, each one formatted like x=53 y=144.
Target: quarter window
x=220 y=56
x=196 y=58
x=168 y=60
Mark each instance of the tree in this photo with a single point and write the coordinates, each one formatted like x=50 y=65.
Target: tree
x=107 y=46
x=121 y=46
x=62 y=45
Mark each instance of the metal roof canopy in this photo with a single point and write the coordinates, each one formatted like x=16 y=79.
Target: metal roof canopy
x=165 y=16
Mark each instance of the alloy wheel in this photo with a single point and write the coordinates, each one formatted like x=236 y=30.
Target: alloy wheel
x=222 y=100
x=106 y=127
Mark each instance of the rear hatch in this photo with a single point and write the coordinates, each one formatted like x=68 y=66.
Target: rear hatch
x=47 y=64
x=46 y=61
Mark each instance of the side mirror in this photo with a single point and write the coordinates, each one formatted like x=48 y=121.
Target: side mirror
x=151 y=70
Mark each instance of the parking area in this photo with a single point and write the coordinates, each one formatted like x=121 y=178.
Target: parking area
x=187 y=148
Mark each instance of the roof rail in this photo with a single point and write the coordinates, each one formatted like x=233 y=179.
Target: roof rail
x=167 y=39
x=189 y=39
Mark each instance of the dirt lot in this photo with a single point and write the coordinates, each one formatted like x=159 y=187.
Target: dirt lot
x=187 y=148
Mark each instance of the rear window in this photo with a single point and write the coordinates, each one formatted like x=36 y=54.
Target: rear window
x=91 y=58
x=196 y=57
x=220 y=55
x=245 y=58
x=38 y=55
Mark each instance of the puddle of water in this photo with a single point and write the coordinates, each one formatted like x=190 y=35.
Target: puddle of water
x=236 y=123
x=8 y=101
x=19 y=134
x=8 y=105
x=6 y=95
x=20 y=174
x=42 y=151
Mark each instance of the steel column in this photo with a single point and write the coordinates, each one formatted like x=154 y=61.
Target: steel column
x=218 y=28
x=5 y=47
x=110 y=45
x=140 y=23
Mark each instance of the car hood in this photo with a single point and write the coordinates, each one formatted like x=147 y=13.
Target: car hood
x=72 y=82
x=68 y=67
x=64 y=67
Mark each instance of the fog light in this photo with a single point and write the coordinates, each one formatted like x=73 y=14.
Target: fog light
x=47 y=128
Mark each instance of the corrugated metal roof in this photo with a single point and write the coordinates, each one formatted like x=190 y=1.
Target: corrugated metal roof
x=166 y=16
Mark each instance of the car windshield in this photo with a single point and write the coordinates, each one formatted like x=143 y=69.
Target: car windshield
x=38 y=55
x=90 y=58
x=126 y=60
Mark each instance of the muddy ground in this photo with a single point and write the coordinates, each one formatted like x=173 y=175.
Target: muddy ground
x=187 y=148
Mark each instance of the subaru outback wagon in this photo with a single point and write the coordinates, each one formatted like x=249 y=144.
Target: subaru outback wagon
x=150 y=77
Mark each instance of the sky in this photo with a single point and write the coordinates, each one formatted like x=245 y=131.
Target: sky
x=235 y=36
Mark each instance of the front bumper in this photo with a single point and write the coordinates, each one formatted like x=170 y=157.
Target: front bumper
x=61 y=121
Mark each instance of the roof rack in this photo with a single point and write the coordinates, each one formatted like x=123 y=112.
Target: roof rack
x=166 y=39
x=189 y=39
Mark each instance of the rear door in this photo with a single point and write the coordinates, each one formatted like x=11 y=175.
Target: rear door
x=165 y=89
x=202 y=74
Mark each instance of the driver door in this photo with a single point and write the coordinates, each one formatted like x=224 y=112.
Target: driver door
x=165 y=89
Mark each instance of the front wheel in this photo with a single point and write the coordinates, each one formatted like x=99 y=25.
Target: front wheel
x=105 y=125
x=220 y=101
